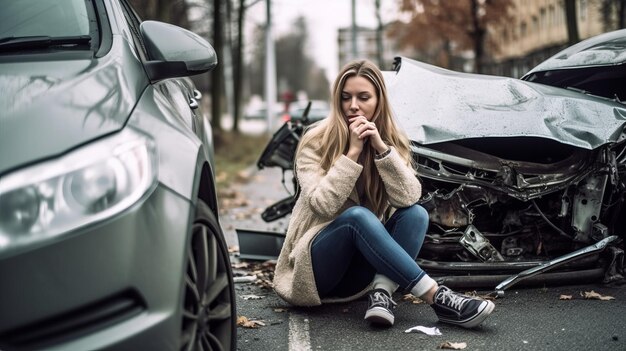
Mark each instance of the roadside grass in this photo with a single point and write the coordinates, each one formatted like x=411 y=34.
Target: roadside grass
x=234 y=153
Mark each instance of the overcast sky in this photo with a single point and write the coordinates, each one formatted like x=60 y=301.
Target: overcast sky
x=324 y=18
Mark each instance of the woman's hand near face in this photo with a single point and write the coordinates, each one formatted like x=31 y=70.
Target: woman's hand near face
x=356 y=142
x=366 y=130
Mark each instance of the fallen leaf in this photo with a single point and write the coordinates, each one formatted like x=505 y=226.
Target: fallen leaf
x=565 y=297
x=251 y=297
x=221 y=177
x=592 y=295
x=412 y=298
x=240 y=265
x=243 y=176
x=249 y=323
x=453 y=345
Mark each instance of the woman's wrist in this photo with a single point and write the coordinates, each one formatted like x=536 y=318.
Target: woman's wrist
x=380 y=155
x=353 y=154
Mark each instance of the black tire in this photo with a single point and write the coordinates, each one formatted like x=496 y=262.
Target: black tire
x=209 y=311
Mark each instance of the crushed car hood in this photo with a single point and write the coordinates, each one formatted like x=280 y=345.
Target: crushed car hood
x=435 y=105
x=51 y=107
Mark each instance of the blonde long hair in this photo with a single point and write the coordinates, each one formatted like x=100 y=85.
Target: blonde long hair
x=332 y=136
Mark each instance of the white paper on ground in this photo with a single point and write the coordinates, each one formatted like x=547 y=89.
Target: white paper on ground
x=425 y=330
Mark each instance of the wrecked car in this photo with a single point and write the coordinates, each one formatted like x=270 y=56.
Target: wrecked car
x=518 y=177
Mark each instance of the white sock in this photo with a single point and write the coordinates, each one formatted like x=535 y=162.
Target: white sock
x=382 y=282
x=423 y=286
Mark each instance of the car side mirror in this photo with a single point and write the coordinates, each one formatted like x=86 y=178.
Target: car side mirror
x=175 y=52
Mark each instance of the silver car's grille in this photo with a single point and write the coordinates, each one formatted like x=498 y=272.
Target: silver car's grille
x=73 y=324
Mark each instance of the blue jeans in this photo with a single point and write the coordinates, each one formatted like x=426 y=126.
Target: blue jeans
x=356 y=245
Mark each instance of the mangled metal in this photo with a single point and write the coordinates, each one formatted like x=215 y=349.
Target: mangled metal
x=515 y=176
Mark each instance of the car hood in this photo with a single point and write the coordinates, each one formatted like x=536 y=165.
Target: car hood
x=435 y=105
x=51 y=107
x=606 y=49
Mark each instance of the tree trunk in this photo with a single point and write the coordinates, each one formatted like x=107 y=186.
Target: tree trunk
x=216 y=74
x=379 y=37
x=622 y=14
x=478 y=34
x=572 y=22
x=238 y=66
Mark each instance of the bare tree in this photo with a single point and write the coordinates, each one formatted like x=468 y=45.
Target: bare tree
x=613 y=13
x=238 y=65
x=217 y=75
x=294 y=66
x=572 y=22
x=379 y=35
x=174 y=12
x=458 y=25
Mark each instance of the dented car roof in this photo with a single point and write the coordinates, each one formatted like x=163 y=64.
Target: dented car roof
x=435 y=105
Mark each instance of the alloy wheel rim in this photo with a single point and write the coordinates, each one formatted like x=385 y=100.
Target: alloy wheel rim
x=207 y=305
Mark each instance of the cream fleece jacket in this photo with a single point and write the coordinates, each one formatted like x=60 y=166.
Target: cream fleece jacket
x=323 y=197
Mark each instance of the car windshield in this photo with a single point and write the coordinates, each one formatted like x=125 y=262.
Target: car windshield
x=37 y=24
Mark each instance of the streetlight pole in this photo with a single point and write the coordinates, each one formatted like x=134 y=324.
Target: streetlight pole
x=270 y=70
x=354 y=48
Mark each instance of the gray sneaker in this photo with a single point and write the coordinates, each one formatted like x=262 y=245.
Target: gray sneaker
x=380 y=308
x=465 y=311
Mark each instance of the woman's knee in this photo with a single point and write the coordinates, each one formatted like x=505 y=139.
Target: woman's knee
x=363 y=221
x=358 y=214
x=416 y=212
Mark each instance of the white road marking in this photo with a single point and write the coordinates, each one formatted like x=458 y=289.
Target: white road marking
x=299 y=339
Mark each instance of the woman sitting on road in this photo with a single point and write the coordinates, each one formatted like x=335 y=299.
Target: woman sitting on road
x=354 y=168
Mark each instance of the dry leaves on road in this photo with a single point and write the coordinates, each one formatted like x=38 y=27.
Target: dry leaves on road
x=263 y=271
x=249 y=323
x=588 y=295
x=230 y=198
x=453 y=345
x=592 y=295
x=412 y=298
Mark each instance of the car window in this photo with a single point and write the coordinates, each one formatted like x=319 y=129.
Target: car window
x=48 y=27
x=54 y=18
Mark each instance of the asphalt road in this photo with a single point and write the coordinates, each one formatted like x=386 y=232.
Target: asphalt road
x=525 y=319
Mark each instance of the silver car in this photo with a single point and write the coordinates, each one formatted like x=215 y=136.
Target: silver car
x=109 y=230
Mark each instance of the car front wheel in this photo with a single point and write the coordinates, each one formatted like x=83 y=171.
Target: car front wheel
x=209 y=314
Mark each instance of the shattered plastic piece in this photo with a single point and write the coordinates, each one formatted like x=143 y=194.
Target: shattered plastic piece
x=565 y=297
x=453 y=345
x=251 y=297
x=592 y=295
x=244 y=279
x=425 y=330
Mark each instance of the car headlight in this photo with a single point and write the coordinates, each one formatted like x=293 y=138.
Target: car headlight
x=88 y=185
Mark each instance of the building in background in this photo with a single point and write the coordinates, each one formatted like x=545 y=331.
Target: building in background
x=538 y=32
